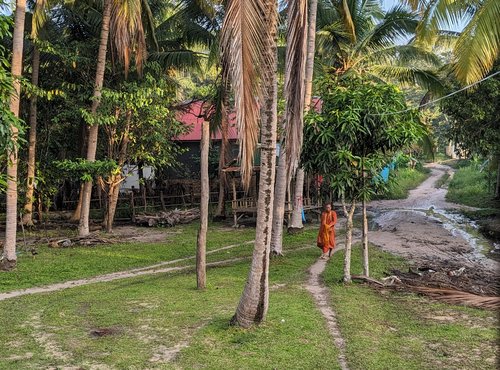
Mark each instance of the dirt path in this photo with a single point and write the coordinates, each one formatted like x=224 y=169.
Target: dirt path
x=322 y=300
x=425 y=227
x=148 y=270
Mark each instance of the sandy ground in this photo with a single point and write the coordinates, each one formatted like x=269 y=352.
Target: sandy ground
x=425 y=227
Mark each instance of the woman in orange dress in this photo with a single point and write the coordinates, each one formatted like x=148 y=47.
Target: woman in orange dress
x=326 y=235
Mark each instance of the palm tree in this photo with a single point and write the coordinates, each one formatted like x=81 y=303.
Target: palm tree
x=125 y=22
x=295 y=67
x=38 y=20
x=477 y=47
x=9 y=258
x=358 y=36
x=248 y=43
x=93 y=129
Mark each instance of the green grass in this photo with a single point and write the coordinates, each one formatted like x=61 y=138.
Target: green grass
x=469 y=186
x=147 y=316
x=57 y=265
x=385 y=330
x=405 y=179
x=151 y=314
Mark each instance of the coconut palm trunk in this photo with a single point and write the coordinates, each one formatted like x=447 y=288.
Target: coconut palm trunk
x=294 y=96
x=296 y=221
x=220 y=213
x=9 y=259
x=201 y=265
x=83 y=227
x=254 y=302
x=279 y=205
x=30 y=186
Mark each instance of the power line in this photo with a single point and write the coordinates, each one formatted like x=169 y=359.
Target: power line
x=439 y=99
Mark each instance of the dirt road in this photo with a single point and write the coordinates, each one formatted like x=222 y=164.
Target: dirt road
x=426 y=228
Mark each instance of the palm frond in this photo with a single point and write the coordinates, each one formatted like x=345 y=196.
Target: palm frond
x=127 y=32
x=397 y=23
x=439 y=14
x=295 y=66
x=242 y=44
x=177 y=59
x=478 y=46
x=404 y=75
x=348 y=20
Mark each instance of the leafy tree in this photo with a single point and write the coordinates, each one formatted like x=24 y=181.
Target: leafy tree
x=474 y=120
x=351 y=140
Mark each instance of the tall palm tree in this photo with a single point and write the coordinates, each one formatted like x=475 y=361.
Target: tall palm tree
x=248 y=43
x=124 y=19
x=9 y=258
x=38 y=20
x=477 y=47
x=93 y=129
x=295 y=67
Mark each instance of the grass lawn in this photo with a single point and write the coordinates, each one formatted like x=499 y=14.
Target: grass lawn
x=404 y=331
x=162 y=322
x=469 y=186
x=147 y=317
x=57 y=265
x=405 y=179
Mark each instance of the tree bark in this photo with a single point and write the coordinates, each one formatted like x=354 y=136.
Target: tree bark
x=254 y=302
x=201 y=268
x=116 y=180
x=279 y=205
x=220 y=213
x=83 y=227
x=348 y=240
x=78 y=210
x=298 y=201
x=311 y=46
x=366 y=269
x=30 y=186
x=9 y=258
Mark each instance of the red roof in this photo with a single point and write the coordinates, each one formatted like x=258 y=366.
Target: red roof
x=192 y=116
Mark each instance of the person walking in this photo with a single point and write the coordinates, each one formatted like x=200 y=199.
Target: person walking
x=326 y=235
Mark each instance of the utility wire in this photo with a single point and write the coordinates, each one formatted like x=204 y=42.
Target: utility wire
x=439 y=99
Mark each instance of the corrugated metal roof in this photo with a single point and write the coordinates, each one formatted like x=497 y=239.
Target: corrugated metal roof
x=192 y=116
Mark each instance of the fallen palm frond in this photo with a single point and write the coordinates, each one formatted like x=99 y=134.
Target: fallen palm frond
x=448 y=295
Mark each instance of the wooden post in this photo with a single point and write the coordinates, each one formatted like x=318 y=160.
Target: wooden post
x=233 y=185
x=132 y=206
x=201 y=273
x=162 y=200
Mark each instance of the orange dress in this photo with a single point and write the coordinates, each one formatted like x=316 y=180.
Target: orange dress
x=326 y=235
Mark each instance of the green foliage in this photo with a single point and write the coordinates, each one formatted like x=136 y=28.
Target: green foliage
x=474 y=123
x=7 y=118
x=356 y=133
x=86 y=170
x=402 y=181
x=473 y=187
